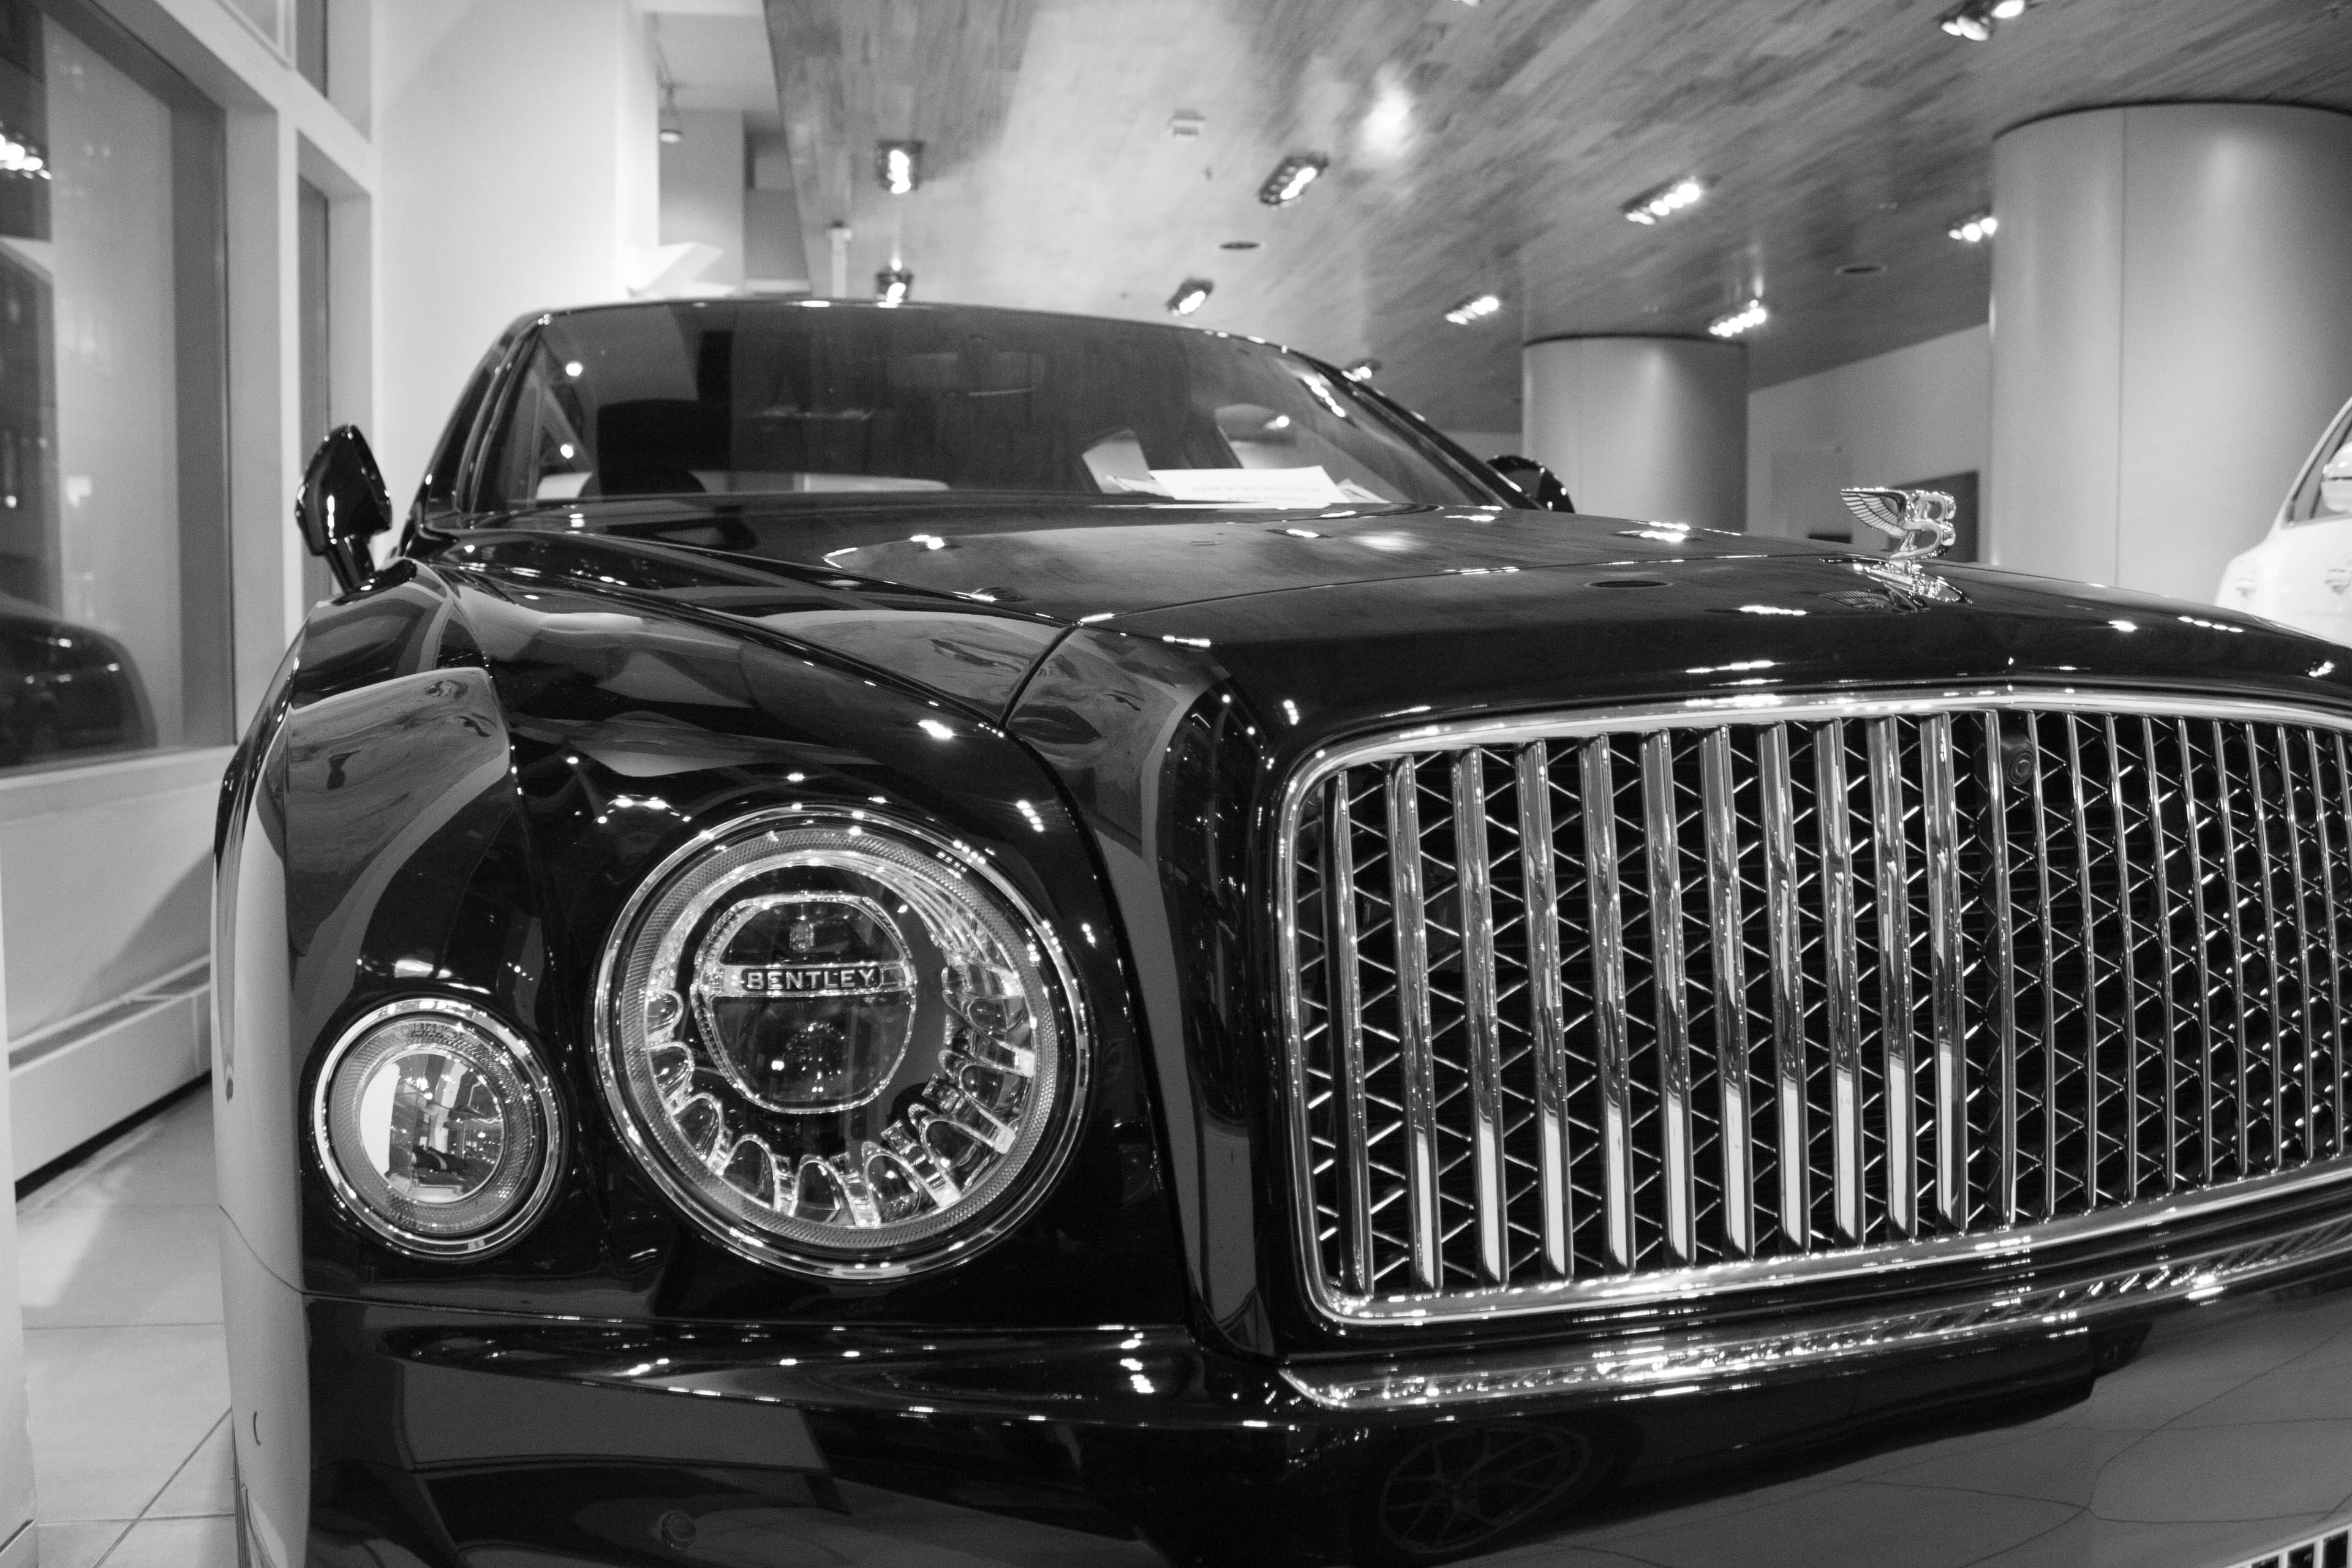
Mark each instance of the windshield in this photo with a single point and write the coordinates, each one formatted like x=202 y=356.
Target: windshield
x=2324 y=494
x=797 y=397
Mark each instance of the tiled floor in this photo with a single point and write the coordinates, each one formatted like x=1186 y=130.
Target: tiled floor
x=124 y=1355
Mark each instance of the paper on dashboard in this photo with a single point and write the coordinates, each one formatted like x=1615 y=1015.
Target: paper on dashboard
x=1247 y=487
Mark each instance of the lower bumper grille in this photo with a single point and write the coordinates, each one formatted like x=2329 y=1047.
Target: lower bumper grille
x=1598 y=1002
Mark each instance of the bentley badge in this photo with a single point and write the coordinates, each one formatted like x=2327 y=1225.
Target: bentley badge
x=1918 y=522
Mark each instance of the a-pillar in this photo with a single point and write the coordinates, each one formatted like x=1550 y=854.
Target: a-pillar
x=2171 y=326
x=1642 y=427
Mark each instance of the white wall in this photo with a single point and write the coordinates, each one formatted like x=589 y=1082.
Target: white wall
x=702 y=185
x=1910 y=414
x=520 y=171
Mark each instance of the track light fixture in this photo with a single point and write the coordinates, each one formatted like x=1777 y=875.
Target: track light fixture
x=672 y=125
x=1976 y=228
x=1666 y=201
x=1972 y=21
x=894 y=285
x=1189 y=296
x=899 y=166
x=1474 y=310
x=1975 y=19
x=1740 y=323
x=1291 y=177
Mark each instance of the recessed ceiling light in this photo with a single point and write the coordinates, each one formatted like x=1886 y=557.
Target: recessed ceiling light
x=1740 y=321
x=1975 y=229
x=1189 y=296
x=1862 y=269
x=1363 y=369
x=1666 y=201
x=1474 y=310
x=899 y=166
x=893 y=286
x=2007 y=10
x=1972 y=21
x=1186 y=124
x=1291 y=177
x=1239 y=244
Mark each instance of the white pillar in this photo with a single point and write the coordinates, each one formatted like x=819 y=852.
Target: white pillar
x=1644 y=428
x=2172 y=324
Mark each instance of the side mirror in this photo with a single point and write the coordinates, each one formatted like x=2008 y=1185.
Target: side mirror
x=1533 y=480
x=343 y=504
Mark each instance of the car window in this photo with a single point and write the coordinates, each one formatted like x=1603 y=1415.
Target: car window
x=2325 y=493
x=779 y=398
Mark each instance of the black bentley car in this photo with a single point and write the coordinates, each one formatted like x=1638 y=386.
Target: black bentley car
x=939 y=936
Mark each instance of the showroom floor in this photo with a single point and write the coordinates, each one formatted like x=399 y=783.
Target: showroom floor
x=130 y=1450
x=124 y=1354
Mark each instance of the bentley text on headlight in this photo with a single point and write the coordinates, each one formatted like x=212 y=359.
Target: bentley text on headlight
x=841 y=1044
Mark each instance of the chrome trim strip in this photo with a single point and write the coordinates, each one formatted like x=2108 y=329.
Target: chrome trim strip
x=1896 y=1002
x=1767 y=712
x=2337 y=961
x=1348 y=1022
x=2263 y=861
x=1551 y=1042
x=2237 y=929
x=2130 y=962
x=1411 y=913
x=2192 y=807
x=1939 y=799
x=2086 y=910
x=1473 y=880
x=1608 y=928
x=1788 y=981
x=1701 y=1358
x=1840 y=944
x=2046 y=920
x=2333 y=1092
x=2303 y=1037
x=1669 y=987
x=2172 y=959
x=2004 y=926
x=1731 y=1015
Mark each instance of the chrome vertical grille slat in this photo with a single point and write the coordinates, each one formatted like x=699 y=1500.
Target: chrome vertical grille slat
x=1589 y=1002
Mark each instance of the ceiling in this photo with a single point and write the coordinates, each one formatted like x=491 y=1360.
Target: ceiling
x=1476 y=148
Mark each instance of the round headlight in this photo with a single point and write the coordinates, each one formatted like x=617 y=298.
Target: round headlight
x=841 y=1044
x=438 y=1128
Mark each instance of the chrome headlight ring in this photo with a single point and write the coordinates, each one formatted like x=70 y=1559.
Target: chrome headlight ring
x=843 y=1044
x=438 y=1128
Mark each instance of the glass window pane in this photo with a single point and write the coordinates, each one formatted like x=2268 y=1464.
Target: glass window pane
x=111 y=636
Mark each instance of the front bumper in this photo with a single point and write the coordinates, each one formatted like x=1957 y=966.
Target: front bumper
x=2210 y=1437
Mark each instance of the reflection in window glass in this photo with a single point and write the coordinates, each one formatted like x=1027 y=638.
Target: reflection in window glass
x=111 y=637
x=781 y=400
x=2325 y=492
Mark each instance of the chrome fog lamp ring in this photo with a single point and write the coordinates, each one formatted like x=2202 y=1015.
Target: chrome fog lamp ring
x=438 y=1128
x=841 y=1043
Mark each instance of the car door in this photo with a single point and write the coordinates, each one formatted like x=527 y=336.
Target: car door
x=2302 y=573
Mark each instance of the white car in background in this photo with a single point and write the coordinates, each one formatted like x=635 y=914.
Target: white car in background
x=2302 y=573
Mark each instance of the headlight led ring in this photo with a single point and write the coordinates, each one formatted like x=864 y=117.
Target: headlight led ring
x=438 y=1128
x=842 y=1044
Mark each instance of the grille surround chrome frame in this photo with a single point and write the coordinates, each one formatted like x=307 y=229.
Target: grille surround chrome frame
x=2011 y=1248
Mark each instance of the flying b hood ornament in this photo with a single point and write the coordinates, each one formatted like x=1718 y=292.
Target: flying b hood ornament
x=1918 y=525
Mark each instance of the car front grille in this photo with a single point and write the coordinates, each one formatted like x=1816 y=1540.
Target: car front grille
x=1580 y=1005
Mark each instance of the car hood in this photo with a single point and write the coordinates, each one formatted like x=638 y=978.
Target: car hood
x=1361 y=614
x=1077 y=562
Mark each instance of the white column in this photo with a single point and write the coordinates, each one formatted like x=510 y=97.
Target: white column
x=2172 y=323
x=1644 y=428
